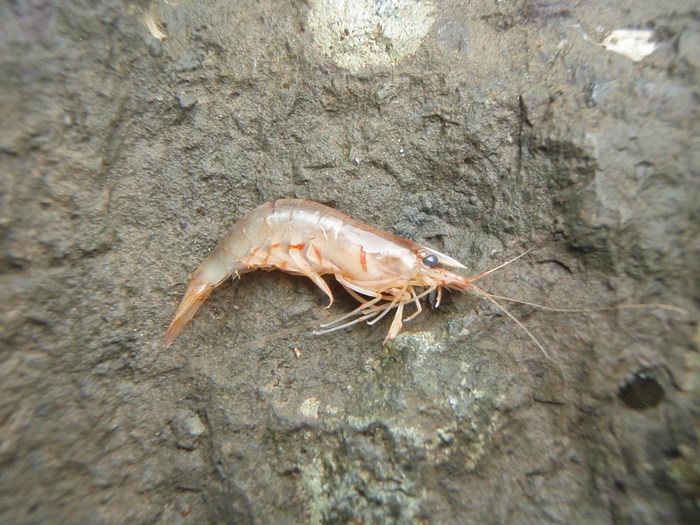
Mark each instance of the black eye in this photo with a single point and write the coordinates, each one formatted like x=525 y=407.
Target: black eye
x=431 y=260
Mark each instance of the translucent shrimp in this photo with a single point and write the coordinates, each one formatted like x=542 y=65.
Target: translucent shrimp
x=379 y=269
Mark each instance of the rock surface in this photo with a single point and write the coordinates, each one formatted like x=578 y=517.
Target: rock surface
x=134 y=134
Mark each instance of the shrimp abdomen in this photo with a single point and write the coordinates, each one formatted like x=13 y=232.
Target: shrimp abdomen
x=227 y=259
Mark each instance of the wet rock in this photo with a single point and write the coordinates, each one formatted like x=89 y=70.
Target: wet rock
x=135 y=134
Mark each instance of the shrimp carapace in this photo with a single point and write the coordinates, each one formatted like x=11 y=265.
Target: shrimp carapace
x=381 y=270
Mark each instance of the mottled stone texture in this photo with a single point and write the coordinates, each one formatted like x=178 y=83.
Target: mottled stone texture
x=124 y=156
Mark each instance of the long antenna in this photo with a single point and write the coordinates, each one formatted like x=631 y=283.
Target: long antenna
x=669 y=307
x=492 y=300
x=503 y=265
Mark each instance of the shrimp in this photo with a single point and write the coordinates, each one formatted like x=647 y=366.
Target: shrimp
x=379 y=269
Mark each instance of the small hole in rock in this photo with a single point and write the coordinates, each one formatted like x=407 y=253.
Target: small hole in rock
x=640 y=392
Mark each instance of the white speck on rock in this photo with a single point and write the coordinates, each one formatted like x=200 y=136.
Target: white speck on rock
x=309 y=407
x=632 y=43
x=194 y=425
x=361 y=33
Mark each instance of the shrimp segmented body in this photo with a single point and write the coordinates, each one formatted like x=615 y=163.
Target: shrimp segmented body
x=381 y=270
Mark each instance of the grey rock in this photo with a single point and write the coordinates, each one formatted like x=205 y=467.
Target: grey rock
x=125 y=155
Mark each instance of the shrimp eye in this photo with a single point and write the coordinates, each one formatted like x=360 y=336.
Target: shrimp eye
x=431 y=260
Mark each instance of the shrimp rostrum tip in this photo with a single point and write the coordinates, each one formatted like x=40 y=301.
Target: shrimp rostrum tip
x=383 y=271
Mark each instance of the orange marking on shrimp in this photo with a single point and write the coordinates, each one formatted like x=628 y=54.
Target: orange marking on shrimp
x=399 y=266
x=363 y=259
x=276 y=245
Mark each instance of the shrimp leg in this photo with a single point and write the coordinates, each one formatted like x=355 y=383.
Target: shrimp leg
x=396 y=324
x=361 y=311
x=419 y=308
x=304 y=268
